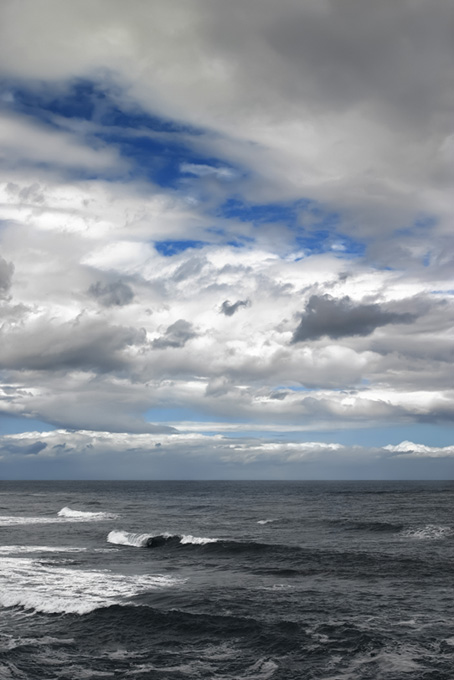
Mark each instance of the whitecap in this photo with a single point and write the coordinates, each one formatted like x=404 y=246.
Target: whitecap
x=266 y=521
x=69 y=513
x=196 y=540
x=64 y=515
x=430 y=531
x=143 y=540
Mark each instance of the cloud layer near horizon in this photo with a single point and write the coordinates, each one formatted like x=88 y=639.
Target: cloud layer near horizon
x=228 y=215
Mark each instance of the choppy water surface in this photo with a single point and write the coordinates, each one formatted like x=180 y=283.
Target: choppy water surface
x=254 y=580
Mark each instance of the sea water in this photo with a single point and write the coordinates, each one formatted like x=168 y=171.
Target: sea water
x=253 y=580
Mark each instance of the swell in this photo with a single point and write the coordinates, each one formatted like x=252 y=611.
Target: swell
x=142 y=622
x=375 y=526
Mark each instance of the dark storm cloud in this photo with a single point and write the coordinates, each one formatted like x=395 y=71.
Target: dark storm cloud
x=279 y=396
x=6 y=274
x=112 y=294
x=229 y=309
x=176 y=335
x=76 y=345
x=340 y=318
x=24 y=449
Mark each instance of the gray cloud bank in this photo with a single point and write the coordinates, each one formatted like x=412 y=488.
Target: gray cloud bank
x=340 y=318
x=115 y=293
x=167 y=456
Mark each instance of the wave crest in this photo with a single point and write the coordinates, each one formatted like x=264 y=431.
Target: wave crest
x=69 y=513
x=128 y=538
x=154 y=541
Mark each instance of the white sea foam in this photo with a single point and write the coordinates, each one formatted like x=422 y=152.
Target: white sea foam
x=14 y=549
x=430 y=531
x=10 y=642
x=266 y=521
x=52 y=589
x=262 y=669
x=69 y=513
x=196 y=540
x=64 y=515
x=10 y=520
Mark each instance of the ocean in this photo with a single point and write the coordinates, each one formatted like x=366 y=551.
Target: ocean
x=228 y=580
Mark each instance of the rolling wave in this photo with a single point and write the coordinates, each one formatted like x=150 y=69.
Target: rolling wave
x=188 y=541
x=150 y=541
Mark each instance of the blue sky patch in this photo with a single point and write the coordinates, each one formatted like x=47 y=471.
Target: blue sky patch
x=169 y=248
x=160 y=149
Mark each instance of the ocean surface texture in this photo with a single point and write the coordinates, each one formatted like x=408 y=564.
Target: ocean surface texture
x=232 y=580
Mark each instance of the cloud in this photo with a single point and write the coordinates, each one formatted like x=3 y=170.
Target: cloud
x=84 y=342
x=6 y=274
x=178 y=162
x=339 y=318
x=201 y=170
x=229 y=308
x=26 y=142
x=116 y=293
x=410 y=450
x=176 y=335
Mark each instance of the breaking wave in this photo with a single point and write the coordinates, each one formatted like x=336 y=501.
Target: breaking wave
x=225 y=546
x=69 y=513
x=150 y=541
x=64 y=515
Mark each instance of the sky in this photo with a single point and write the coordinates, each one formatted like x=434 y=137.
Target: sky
x=226 y=239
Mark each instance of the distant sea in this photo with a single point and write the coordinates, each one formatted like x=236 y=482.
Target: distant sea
x=231 y=580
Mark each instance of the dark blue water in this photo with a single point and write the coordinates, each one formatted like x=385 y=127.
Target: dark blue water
x=256 y=580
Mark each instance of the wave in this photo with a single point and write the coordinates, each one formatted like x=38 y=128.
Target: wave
x=12 y=549
x=10 y=520
x=151 y=541
x=430 y=531
x=188 y=541
x=33 y=585
x=127 y=538
x=195 y=540
x=69 y=513
x=266 y=521
x=15 y=549
x=64 y=515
